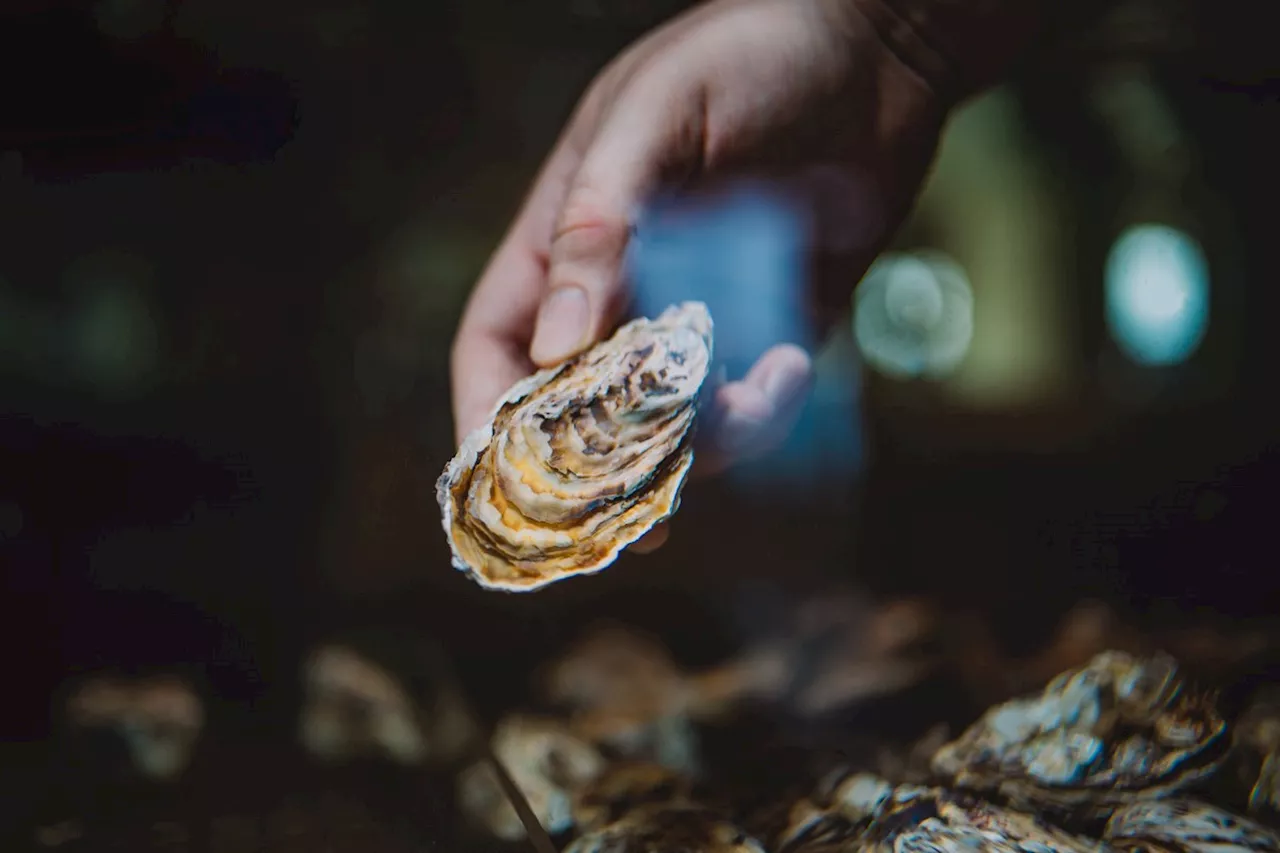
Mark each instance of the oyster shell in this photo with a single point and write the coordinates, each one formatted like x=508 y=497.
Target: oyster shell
x=624 y=787
x=1119 y=729
x=936 y=820
x=158 y=718
x=354 y=707
x=623 y=691
x=579 y=460
x=360 y=704
x=1256 y=738
x=668 y=828
x=1186 y=826
x=865 y=813
x=862 y=812
x=545 y=761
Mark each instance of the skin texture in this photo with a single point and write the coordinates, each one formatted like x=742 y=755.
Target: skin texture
x=762 y=88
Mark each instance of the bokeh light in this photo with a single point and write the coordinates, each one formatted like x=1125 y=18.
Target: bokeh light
x=1157 y=285
x=913 y=315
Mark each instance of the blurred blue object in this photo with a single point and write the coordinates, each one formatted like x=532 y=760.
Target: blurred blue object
x=744 y=252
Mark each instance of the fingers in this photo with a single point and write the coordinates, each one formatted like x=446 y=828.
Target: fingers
x=750 y=417
x=490 y=352
x=754 y=414
x=656 y=124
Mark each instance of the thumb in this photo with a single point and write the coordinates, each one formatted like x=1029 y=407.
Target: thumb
x=640 y=139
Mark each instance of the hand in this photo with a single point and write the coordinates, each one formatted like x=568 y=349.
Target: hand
x=731 y=87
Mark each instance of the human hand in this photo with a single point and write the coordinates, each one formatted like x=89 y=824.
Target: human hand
x=733 y=87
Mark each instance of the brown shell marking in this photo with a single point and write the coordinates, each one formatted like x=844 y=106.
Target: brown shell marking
x=579 y=460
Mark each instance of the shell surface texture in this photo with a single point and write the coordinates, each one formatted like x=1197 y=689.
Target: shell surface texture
x=1117 y=730
x=624 y=787
x=579 y=460
x=1186 y=826
x=1257 y=747
x=862 y=812
x=668 y=828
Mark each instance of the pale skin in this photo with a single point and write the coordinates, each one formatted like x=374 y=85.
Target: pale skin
x=731 y=87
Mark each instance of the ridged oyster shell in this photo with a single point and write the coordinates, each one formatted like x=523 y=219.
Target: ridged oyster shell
x=1114 y=731
x=862 y=812
x=579 y=460
x=1186 y=826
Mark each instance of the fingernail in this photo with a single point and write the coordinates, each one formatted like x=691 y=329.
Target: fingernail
x=562 y=326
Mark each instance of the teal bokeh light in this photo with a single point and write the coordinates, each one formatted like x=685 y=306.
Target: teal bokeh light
x=1157 y=294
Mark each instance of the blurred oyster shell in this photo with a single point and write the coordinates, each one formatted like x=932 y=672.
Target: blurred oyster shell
x=865 y=813
x=1256 y=764
x=158 y=718
x=668 y=828
x=1119 y=729
x=579 y=460
x=1186 y=826
x=623 y=691
x=545 y=761
x=624 y=787
x=862 y=812
x=354 y=707
x=932 y=819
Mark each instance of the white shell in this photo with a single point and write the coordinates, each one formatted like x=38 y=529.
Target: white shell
x=579 y=460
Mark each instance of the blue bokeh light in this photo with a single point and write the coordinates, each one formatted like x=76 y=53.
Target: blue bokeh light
x=1157 y=294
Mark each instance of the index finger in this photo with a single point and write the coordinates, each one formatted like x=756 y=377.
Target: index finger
x=491 y=350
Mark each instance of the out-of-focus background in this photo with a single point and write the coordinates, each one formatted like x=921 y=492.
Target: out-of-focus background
x=235 y=239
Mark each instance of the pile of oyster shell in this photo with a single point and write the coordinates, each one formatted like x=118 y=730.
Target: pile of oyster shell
x=1122 y=753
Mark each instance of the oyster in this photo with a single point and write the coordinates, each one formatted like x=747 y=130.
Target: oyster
x=546 y=762
x=159 y=719
x=354 y=707
x=579 y=460
x=932 y=819
x=1119 y=729
x=1186 y=826
x=1257 y=746
x=623 y=691
x=623 y=787
x=668 y=828
x=862 y=812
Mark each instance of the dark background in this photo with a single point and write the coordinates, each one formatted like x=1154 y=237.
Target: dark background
x=234 y=241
